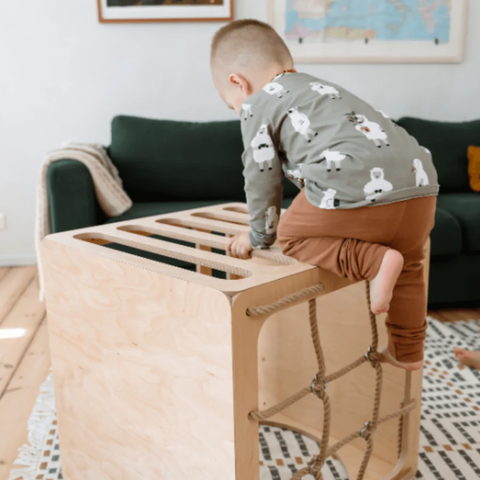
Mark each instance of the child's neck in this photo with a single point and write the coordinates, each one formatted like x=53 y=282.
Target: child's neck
x=270 y=74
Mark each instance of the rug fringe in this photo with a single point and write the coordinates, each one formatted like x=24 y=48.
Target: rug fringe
x=39 y=424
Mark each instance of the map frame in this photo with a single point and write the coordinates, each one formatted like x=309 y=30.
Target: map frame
x=377 y=51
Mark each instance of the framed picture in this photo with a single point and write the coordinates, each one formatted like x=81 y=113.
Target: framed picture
x=372 y=31
x=164 y=10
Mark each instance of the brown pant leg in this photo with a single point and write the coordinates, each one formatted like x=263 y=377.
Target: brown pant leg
x=406 y=320
x=350 y=243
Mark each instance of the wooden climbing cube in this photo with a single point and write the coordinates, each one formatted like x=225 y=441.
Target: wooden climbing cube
x=156 y=368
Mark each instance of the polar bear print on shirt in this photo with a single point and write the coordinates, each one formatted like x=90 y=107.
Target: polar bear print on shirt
x=328 y=200
x=332 y=92
x=263 y=151
x=275 y=88
x=377 y=185
x=421 y=176
x=271 y=221
x=301 y=124
x=333 y=157
x=247 y=111
x=373 y=131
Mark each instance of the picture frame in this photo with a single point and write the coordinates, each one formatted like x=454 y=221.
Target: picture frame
x=435 y=36
x=121 y=11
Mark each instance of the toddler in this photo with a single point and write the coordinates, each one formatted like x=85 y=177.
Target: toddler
x=367 y=188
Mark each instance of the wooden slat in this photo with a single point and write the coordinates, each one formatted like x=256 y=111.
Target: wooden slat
x=12 y=287
x=19 y=399
x=224 y=216
x=205 y=224
x=197 y=236
x=27 y=314
x=174 y=250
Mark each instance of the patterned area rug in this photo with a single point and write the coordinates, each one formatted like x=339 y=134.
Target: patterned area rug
x=450 y=427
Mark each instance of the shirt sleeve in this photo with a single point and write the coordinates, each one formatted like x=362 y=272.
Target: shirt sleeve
x=263 y=181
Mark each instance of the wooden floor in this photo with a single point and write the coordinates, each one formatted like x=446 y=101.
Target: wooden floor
x=24 y=358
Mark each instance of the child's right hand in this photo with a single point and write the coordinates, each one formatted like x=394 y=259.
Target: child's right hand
x=240 y=246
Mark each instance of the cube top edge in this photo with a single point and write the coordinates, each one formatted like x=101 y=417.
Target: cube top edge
x=197 y=237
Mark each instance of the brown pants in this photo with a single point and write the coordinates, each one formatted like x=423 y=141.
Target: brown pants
x=352 y=243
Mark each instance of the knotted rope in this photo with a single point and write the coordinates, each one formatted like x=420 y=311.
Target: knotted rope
x=321 y=381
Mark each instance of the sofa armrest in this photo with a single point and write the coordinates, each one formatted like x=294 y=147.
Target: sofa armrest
x=71 y=196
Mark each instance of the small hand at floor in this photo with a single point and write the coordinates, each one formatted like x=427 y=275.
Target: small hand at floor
x=240 y=246
x=468 y=358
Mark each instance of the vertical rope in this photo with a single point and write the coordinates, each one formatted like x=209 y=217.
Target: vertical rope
x=316 y=464
x=373 y=320
x=371 y=426
x=400 y=431
x=312 y=315
x=366 y=458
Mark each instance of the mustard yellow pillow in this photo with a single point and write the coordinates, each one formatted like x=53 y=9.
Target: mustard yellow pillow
x=474 y=168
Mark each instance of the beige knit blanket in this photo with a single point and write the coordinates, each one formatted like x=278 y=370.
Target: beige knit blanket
x=107 y=183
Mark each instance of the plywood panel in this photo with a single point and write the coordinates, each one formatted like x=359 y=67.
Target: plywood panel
x=142 y=368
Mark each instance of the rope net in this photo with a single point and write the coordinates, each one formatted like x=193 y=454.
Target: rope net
x=321 y=381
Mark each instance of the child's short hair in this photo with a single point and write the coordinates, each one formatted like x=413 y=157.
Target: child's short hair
x=248 y=43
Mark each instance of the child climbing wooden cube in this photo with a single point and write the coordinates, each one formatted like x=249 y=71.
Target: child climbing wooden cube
x=162 y=372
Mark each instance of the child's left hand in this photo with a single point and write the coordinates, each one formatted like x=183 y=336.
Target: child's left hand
x=240 y=246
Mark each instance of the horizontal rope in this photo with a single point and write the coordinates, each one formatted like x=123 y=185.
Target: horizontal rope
x=270 y=412
x=399 y=413
x=284 y=301
x=259 y=415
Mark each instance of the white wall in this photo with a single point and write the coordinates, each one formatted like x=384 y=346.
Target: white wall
x=63 y=76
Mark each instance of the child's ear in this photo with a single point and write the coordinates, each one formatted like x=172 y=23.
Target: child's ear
x=240 y=82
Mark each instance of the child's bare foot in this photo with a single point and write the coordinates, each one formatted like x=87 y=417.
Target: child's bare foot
x=468 y=358
x=381 y=287
x=387 y=357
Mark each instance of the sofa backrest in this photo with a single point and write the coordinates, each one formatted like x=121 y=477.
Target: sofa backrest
x=161 y=160
x=449 y=144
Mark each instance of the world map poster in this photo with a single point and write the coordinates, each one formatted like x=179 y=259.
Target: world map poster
x=373 y=30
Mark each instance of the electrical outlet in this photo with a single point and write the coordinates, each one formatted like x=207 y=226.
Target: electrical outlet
x=3 y=221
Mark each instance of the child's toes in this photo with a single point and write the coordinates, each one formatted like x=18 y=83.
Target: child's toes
x=459 y=352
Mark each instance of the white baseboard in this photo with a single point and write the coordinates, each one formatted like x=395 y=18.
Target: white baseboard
x=17 y=260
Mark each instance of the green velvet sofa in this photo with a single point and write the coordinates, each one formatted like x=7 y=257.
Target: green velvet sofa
x=168 y=166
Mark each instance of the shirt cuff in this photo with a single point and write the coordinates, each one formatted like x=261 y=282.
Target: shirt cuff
x=260 y=242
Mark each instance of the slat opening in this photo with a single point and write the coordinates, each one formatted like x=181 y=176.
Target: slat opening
x=184 y=261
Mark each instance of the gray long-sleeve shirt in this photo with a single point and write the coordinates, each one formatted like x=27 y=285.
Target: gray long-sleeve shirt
x=343 y=151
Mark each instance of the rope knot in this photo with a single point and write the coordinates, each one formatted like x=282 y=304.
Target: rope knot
x=316 y=388
x=367 y=431
x=373 y=357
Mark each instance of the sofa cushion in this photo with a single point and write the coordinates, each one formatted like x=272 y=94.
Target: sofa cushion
x=465 y=207
x=147 y=209
x=449 y=144
x=454 y=281
x=168 y=160
x=162 y=160
x=446 y=235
